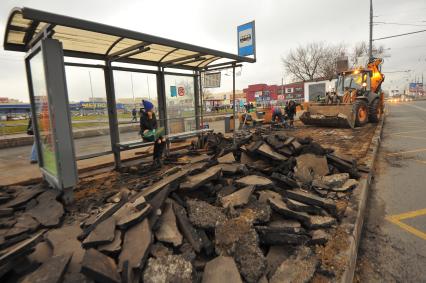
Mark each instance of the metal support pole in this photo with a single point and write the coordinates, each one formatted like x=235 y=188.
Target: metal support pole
x=197 y=101
x=201 y=100
x=112 y=113
x=233 y=101
x=161 y=95
x=370 y=47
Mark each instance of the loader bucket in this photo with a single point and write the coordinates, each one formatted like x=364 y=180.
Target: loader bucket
x=326 y=115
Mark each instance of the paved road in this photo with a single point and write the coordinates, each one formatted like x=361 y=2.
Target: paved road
x=393 y=246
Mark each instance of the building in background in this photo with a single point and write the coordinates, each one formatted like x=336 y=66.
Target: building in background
x=7 y=100
x=265 y=95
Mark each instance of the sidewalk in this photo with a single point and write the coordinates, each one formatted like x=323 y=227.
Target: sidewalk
x=15 y=166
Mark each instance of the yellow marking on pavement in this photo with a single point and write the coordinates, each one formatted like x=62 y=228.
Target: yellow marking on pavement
x=408 y=132
x=396 y=219
x=408 y=151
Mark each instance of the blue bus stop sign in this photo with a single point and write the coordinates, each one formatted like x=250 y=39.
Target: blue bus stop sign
x=246 y=40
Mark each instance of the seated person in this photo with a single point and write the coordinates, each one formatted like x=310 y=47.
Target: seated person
x=150 y=132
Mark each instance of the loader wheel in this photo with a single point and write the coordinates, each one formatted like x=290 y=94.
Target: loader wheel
x=374 y=111
x=361 y=113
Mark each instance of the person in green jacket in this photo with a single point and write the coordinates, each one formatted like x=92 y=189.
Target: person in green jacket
x=150 y=132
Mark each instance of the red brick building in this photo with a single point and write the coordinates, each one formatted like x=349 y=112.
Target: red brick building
x=272 y=94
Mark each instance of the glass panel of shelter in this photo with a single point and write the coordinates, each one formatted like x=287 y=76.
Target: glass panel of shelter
x=180 y=103
x=88 y=108
x=130 y=89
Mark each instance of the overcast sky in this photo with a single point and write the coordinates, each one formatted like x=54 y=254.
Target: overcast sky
x=280 y=26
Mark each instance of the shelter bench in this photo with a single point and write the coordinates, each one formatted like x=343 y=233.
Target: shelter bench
x=170 y=138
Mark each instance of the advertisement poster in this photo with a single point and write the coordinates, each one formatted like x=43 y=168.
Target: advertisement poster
x=47 y=146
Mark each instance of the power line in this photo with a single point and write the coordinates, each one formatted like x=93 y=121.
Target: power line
x=397 y=35
x=399 y=24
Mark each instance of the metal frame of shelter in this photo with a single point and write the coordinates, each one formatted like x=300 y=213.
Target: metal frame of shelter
x=89 y=40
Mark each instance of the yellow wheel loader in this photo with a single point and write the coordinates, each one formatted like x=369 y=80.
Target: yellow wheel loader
x=357 y=100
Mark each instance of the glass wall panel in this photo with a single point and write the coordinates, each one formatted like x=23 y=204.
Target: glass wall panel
x=88 y=106
x=130 y=89
x=180 y=103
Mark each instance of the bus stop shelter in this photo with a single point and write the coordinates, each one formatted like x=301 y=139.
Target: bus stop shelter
x=57 y=37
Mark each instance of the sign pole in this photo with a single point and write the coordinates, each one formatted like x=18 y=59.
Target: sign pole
x=233 y=100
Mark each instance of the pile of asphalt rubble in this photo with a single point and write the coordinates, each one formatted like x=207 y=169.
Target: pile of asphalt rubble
x=251 y=212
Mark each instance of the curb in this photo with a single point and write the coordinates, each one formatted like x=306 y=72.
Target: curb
x=361 y=203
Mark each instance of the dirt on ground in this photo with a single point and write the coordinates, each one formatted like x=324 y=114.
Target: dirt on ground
x=332 y=257
x=346 y=142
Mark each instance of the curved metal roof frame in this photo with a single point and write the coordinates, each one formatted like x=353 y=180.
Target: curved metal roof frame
x=91 y=40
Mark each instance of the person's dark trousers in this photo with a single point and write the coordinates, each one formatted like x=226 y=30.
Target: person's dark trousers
x=279 y=115
x=159 y=149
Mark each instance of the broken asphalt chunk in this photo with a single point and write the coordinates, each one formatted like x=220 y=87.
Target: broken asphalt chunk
x=302 y=207
x=284 y=180
x=52 y=271
x=20 y=248
x=64 y=240
x=227 y=158
x=204 y=215
x=172 y=268
x=221 y=269
x=195 y=181
x=295 y=270
x=99 y=267
x=348 y=185
x=238 y=198
x=254 y=180
x=48 y=211
x=24 y=196
x=310 y=166
x=168 y=231
x=312 y=199
x=335 y=180
x=133 y=218
x=281 y=234
x=136 y=245
x=101 y=235
x=268 y=152
x=154 y=188
x=114 y=247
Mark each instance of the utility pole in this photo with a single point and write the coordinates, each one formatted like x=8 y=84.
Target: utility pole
x=370 y=47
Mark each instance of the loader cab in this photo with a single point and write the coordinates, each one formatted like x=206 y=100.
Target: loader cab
x=359 y=80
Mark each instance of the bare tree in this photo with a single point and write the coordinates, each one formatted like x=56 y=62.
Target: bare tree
x=319 y=60
x=303 y=63
x=332 y=55
x=314 y=60
x=361 y=50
